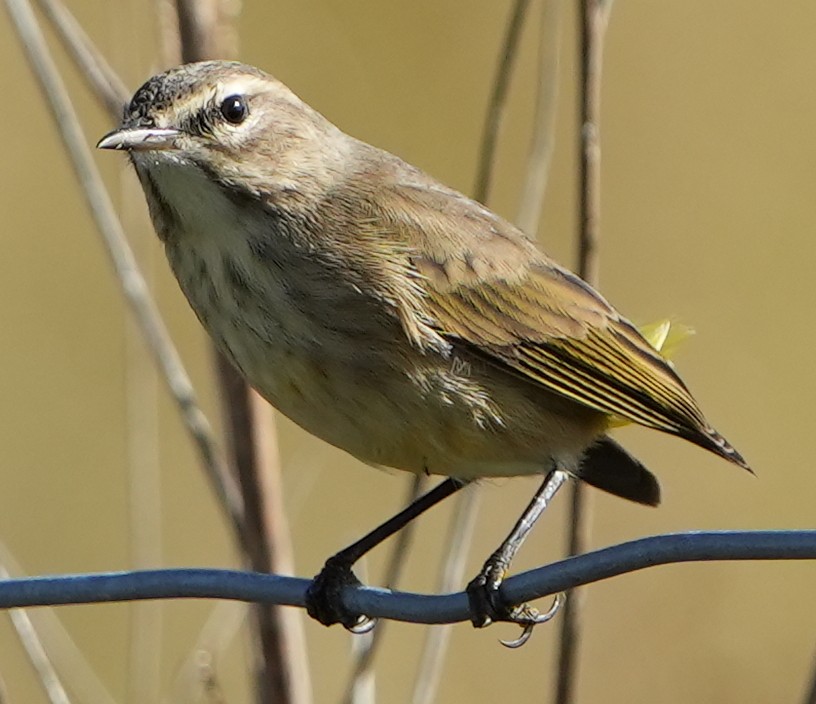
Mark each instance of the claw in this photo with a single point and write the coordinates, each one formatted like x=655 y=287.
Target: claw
x=529 y=617
x=486 y=605
x=365 y=624
x=526 y=632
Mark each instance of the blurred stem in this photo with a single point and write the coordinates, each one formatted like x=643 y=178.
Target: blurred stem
x=453 y=562
x=206 y=32
x=93 y=67
x=206 y=29
x=62 y=651
x=593 y=23
x=38 y=658
x=434 y=649
x=364 y=657
x=498 y=100
x=30 y=640
x=110 y=90
x=810 y=696
x=281 y=665
x=167 y=27
x=133 y=284
x=543 y=139
x=202 y=24
x=144 y=491
x=219 y=632
x=432 y=659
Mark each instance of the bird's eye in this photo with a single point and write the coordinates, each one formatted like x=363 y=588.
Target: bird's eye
x=234 y=109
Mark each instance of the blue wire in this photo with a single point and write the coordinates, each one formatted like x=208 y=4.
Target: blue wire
x=405 y=606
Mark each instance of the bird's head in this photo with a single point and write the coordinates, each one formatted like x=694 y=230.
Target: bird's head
x=238 y=125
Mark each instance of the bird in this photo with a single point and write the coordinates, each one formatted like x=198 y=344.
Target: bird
x=388 y=314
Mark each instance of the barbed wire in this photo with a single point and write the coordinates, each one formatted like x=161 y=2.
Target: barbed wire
x=405 y=606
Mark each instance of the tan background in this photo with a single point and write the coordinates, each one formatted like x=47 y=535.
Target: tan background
x=708 y=215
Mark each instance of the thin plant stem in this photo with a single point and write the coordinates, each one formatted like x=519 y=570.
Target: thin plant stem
x=595 y=19
x=437 y=638
x=138 y=296
x=130 y=278
x=498 y=101
x=47 y=675
x=93 y=67
x=593 y=23
x=168 y=31
x=466 y=511
x=144 y=492
x=206 y=31
x=542 y=142
x=37 y=656
x=62 y=650
x=364 y=657
x=220 y=630
x=810 y=695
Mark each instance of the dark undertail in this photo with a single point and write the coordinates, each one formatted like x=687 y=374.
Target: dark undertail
x=607 y=466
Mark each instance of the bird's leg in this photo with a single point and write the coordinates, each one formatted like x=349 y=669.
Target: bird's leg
x=486 y=604
x=324 y=597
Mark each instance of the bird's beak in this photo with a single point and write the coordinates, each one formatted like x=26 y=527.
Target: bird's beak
x=140 y=139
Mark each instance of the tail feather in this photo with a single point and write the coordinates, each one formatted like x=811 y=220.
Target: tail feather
x=607 y=466
x=711 y=440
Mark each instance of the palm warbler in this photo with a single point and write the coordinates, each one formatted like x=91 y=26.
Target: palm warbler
x=386 y=313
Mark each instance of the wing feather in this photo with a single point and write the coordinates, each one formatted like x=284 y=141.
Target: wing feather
x=486 y=287
x=574 y=345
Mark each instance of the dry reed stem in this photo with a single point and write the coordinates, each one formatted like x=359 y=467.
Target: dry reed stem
x=593 y=23
x=364 y=656
x=498 y=101
x=206 y=32
x=133 y=284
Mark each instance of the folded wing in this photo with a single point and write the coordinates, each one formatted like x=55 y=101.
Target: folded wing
x=490 y=289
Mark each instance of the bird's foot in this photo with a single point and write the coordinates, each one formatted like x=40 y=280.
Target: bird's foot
x=487 y=605
x=324 y=598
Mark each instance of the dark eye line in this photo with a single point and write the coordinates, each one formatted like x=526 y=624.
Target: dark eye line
x=198 y=123
x=203 y=122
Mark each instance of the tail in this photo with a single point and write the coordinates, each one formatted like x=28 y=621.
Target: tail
x=607 y=466
x=711 y=440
